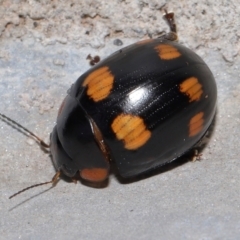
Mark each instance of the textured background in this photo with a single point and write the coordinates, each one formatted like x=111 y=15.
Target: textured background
x=43 y=49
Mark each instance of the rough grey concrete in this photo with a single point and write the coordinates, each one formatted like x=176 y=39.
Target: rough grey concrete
x=43 y=49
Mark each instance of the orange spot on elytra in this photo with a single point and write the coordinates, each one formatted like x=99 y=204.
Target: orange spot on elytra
x=167 y=52
x=99 y=83
x=196 y=124
x=192 y=88
x=131 y=130
x=94 y=174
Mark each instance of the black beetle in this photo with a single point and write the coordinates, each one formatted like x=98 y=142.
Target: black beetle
x=143 y=106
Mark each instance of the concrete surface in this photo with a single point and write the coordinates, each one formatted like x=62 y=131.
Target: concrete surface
x=43 y=49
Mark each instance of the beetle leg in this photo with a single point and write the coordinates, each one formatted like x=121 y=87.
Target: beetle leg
x=172 y=35
x=74 y=180
x=196 y=156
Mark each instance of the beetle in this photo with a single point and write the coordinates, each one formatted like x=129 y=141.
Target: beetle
x=143 y=106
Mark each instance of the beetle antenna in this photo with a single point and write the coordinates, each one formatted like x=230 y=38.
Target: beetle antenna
x=9 y=120
x=53 y=181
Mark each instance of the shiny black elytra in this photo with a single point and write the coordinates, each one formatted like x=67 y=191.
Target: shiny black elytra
x=142 y=107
